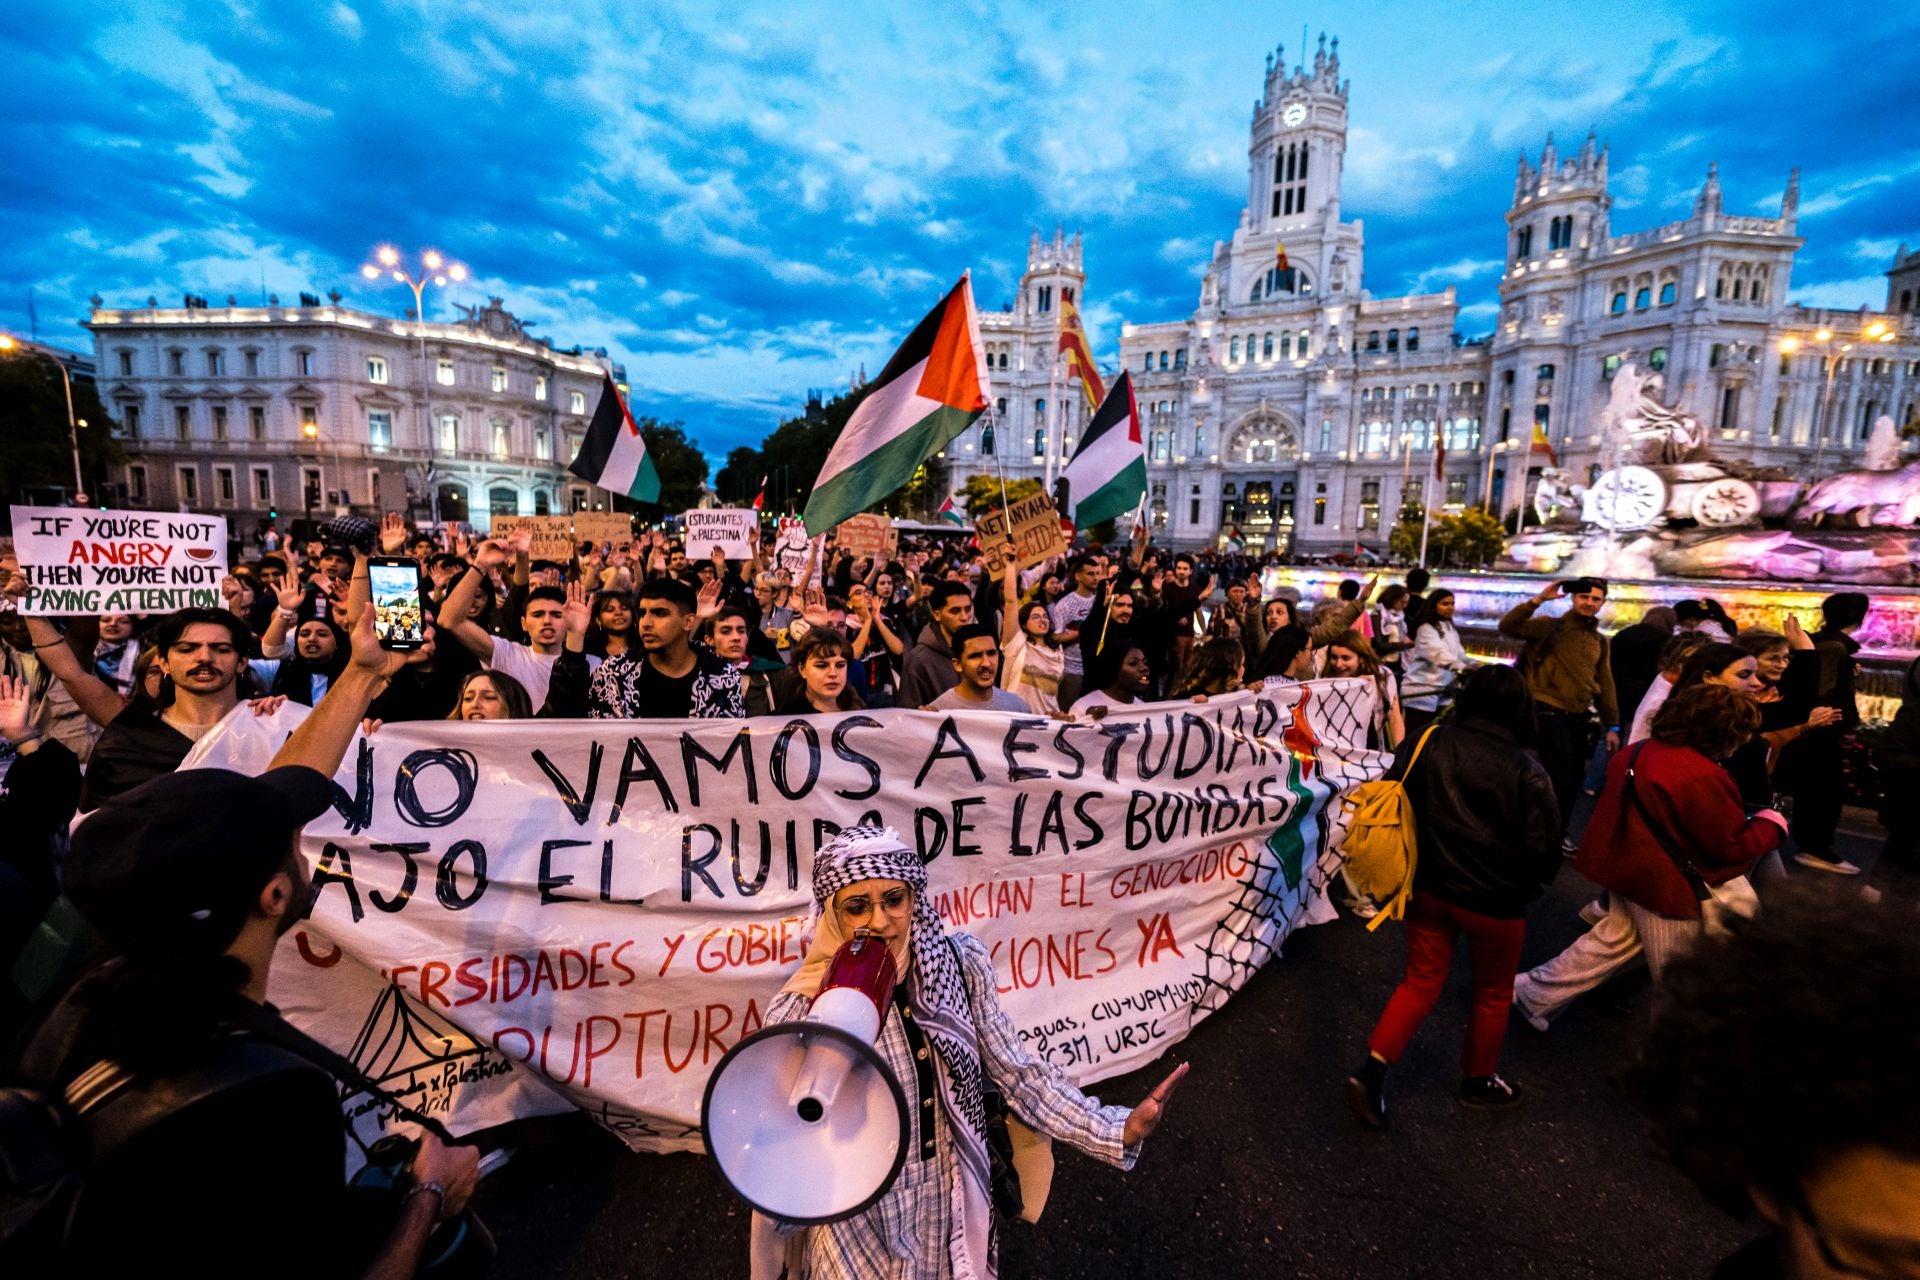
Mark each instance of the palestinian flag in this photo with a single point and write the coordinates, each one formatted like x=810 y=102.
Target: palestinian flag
x=1108 y=474
x=613 y=455
x=1540 y=444
x=950 y=513
x=1073 y=341
x=931 y=391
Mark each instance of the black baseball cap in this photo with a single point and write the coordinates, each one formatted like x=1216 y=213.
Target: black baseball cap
x=174 y=864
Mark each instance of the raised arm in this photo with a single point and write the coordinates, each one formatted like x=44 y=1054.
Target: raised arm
x=99 y=700
x=1010 y=595
x=453 y=618
x=321 y=740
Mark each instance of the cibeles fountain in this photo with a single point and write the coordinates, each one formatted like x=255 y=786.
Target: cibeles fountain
x=1667 y=508
x=1667 y=521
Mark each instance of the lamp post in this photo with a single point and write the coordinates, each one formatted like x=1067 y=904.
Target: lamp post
x=9 y=344
x=1823 y=338
x=434 y=270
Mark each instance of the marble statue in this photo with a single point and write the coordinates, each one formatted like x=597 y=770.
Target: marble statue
x=1875 y=499
x=1883 y=446
x=1642 y=429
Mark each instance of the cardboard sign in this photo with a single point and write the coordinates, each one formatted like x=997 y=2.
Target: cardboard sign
x=722 y=527
x=1036 y=533
x=867 y=535
x=78 y=561
x=1127 y=880
x=552 y=535
x=600 y=527
x=792 y=548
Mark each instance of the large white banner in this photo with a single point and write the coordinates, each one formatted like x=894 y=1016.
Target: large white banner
x=511 y=917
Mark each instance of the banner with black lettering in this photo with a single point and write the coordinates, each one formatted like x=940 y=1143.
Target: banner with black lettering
x=516 y=916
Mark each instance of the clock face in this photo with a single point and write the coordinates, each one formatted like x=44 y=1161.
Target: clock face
x=1295 y=112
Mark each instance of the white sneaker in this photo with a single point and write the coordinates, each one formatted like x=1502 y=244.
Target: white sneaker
x=1834 y=866
x=1538 y=1021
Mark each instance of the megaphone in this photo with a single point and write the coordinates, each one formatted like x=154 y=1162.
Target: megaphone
x=804 y=1118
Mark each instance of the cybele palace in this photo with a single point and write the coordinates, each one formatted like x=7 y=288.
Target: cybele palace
x=1303 y=409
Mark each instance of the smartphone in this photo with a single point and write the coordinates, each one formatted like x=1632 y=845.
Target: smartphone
x=399 y=603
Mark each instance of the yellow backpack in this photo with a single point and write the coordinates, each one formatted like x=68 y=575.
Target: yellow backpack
x=1379 y=846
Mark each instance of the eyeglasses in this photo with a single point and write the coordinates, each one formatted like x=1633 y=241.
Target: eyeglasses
x=1874 y=1261
x=859 y=908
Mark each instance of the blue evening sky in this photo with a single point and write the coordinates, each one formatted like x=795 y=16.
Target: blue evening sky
x=743 y=201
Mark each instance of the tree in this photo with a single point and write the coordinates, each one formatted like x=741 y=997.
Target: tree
x=739 y=480
x=38 y=456
x=981 y=493
x=1403 y=540
x=1468 y=538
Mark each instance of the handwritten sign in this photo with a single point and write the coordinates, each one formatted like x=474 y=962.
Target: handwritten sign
x=600 y=527
x=522 y=914
x=722 y=527
x=552 y=535
x=79 y=561
x=793 y=548
x=1036 y=533
x=867 y=535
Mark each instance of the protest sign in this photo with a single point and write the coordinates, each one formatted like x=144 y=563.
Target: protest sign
x=511 y=913
x=552 y=535
x=723 y=527
x=600 y=527
x=867 y=535
x=793 y=549
x=80 y=561
x=1036 y=533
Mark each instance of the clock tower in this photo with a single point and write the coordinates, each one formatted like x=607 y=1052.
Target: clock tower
x=1298 y=142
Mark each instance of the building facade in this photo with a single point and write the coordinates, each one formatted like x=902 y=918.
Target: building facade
x=319 y=409
x=1299 y=408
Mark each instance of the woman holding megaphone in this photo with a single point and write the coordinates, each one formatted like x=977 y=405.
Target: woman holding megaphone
x=949 y=1051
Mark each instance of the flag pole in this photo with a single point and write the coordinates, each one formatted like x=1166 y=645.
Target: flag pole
x=1426 y=510
x=1049 y=420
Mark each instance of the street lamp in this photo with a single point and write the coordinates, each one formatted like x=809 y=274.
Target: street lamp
x=434 y=270
x=1823 y=338
x=10 y=344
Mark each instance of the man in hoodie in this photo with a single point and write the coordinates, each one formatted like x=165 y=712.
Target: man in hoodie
x=929 y=671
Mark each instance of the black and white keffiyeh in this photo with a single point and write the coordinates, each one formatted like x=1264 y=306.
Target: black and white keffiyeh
x=939 y=995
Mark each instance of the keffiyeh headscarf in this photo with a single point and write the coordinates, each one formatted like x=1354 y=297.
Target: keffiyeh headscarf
x=940 y=1006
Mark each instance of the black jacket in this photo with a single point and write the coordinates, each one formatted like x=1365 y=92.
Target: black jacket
x=1489 y=828
x=1634 y=656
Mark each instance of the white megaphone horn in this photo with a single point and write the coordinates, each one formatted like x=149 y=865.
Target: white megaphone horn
x=804 y=1119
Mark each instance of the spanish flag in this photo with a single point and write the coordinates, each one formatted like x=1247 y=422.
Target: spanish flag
x=1281 y=262
x=1540 y=444
x=1073 y=341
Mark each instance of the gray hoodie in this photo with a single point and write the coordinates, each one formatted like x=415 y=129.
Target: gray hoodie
x=928 y=671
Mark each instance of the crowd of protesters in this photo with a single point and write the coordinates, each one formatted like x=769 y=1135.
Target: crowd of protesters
x=1683 y=729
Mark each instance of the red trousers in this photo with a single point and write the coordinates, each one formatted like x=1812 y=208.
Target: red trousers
x=1433 y=925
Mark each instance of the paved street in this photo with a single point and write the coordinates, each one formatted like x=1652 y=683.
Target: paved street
x=1259 y=1170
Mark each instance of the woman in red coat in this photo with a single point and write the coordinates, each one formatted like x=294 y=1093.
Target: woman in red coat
x=1669 y=838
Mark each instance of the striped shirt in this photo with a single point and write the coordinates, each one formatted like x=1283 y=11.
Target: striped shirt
x=904 y=1235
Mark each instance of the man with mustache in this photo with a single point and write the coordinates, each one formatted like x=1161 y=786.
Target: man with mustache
x=201 y=653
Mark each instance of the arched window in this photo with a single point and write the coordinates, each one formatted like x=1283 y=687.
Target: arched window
x=1758 y=291
x=1393 y=339
x=1657 y=359
x=1642 y=299
x=1146 y=363
x=1303 y=344
x=1233 y=352
x=1199 y=440
x=1003 y=359
x=1040 y=444
x=1373 y=339
x=1667 y=292
x=1738 y=286
x=1164 y=358
x=1413 y=338
x=1619 y=306
x=1286 y=346
x=1255 y=295
x=1180 y=358
x=1000 y=406
x=1040 y=412
x=1523 y=242
x=1159 y=446
x=1266 y=348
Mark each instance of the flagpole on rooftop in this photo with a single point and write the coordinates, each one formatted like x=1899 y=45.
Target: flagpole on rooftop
x=1051 y=422
x=1426 y=509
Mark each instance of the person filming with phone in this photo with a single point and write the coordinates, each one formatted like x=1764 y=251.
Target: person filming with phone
x=215 y=1130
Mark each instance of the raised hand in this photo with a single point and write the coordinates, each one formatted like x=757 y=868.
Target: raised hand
x=1796 y=634
x=290 y=593
x=393 y=533
x=371 y=659
x=577 y=613
x=814 y=607
x=708 y=603
x=1146 y=1117
x=520 y=542
x=16 y=708
x=489 y=555
x=1551 y=592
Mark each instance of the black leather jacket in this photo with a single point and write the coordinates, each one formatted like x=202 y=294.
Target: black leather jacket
x=1488 y=825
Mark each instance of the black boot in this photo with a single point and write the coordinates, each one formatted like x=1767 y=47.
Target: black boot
x=1489 y=1093
x=1366 y=1092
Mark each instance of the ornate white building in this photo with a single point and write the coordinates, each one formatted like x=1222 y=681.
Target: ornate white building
x=320 y=409
x=1300 y=407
